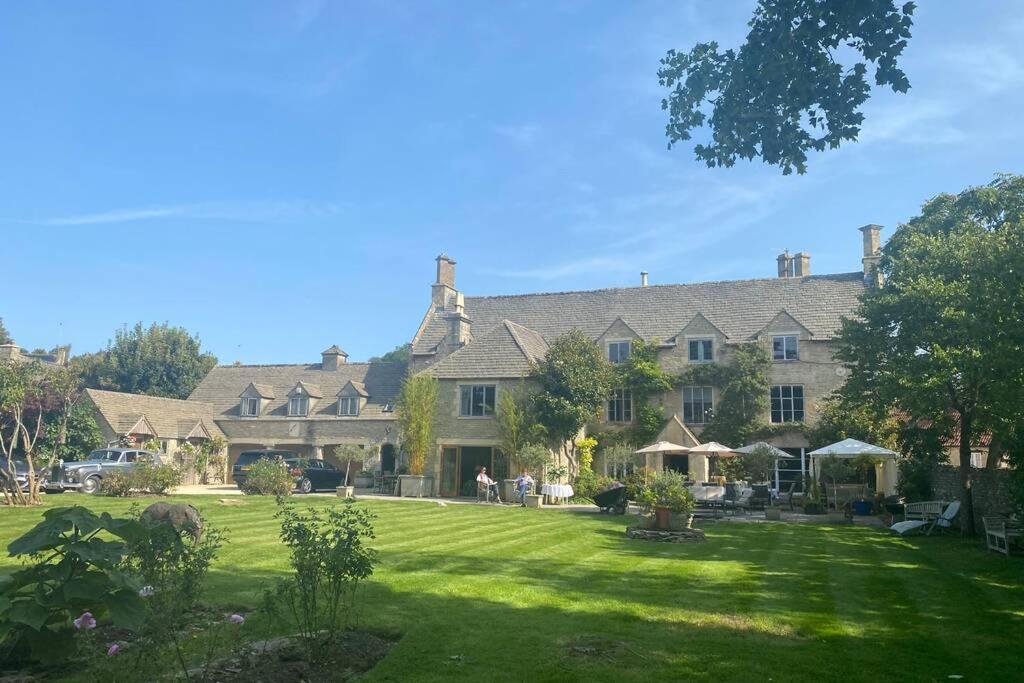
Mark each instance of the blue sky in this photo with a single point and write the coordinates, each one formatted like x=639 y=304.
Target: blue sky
x=278 y=177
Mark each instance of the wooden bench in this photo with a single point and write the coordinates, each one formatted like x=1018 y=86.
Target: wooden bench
x=1002 y=533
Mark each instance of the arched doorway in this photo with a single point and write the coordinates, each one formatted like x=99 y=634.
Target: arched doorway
x=387 y=458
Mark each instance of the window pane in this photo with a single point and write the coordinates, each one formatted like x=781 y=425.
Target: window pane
x=791 y=348
x=776 y=392
x=694 y=349
x=708 y=355
x=778 y=348
x=489 y=401
x=466 y=401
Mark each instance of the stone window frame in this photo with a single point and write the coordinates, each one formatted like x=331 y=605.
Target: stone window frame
x=484 y=414
x=618 y=343
x=353 y=406
x=705 y=348
x=303 y=402
x=795 y=414
x=707 y=403
x=620 y=406
x=795 y=336
x=251 y=401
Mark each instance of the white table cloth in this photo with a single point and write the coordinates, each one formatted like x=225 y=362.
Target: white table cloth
x=557 y=490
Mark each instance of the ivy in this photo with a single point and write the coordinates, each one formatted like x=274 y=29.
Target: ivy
x=742 y=386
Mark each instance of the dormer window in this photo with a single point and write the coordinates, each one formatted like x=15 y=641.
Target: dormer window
x=784 y=347
x=618 y=351
x=250 y=407
x=701 y=350
x=348 y=405
x=298 y=406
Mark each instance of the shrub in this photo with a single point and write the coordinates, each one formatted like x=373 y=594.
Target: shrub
x=329 y=559
x=75 y=570
x=157 y=479
x=636 y=480
x=667 y=489
x=589 y=483
x=268 y=477
x=118 y=484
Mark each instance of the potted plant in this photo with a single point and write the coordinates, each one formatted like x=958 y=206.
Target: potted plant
x=417 y=412
x=773 y=511
x=812 y=501
x=669 y=499
x=534 y=458
x=835 y=470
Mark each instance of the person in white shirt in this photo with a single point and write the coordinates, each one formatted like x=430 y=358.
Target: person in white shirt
x=523 y=483
x=492 y=486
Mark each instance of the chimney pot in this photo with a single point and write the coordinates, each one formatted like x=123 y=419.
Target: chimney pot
x=872 y=254
x=643 y=278
x=801 y=264
x=785 y=262
x=443 y=289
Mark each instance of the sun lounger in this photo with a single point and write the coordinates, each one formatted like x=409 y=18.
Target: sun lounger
x=942 y=522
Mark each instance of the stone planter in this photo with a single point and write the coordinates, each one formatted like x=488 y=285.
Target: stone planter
x=346 y=492
x=662 y=518
x=833 y=517
x=534 y=500
x=773 y=514
x=412 y=486
x=363 y=481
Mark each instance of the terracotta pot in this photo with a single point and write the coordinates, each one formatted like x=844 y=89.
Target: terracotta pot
x=662 y=518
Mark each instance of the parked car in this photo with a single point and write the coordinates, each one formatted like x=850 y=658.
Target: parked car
x=87 y=475
x=314 y=475
x=21 y=474
x=247 y=458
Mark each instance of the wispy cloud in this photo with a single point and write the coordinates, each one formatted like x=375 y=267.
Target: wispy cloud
x=226 y=211
x=523 y=134
x=991 y=69
x=912 y=121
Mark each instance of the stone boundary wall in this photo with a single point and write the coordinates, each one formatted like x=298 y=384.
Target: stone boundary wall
x=990 y=490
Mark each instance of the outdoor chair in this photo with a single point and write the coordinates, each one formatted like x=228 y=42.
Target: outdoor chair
x=762 y=496
x=942 y=522
x=787 y=497
x=926 y=510
x=1001 y=533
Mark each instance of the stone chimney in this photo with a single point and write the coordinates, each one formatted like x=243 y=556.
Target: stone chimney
x=643 y=278
x=459 y=328
x=801 y=264
x=61 y=354
x=332 y=358
x=443 y=290
x=872 y=254
x=785 y=262
x=9 y=351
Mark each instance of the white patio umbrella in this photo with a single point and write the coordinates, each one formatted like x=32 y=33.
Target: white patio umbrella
x=713 y=448
x=665 y=448
x=777 y=452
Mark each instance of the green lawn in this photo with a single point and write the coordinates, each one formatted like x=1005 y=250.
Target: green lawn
x=507 y=593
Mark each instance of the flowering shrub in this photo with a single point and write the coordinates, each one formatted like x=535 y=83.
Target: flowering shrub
x=268 y=477
x=76 y=578
x=117 y=484
x=157 y=479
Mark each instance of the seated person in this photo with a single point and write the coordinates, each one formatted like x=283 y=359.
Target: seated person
x=490 y=484
x=523 y=484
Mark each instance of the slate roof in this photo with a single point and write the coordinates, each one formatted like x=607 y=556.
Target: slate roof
x=171 y=418
x=506 y=350
x=740 y=308
x=225 y=383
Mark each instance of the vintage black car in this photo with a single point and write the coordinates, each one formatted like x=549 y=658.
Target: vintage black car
x=310 y=474
x=87 y=475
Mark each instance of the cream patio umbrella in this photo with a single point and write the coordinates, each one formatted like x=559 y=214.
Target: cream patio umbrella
x=711 y=449
x=661 y=449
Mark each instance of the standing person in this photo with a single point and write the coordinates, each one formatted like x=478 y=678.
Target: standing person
x=492 y=486
x=523 y=483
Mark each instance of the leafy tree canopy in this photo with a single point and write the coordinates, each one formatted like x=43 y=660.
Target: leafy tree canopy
x=158 y=360
x=574 y=381
x=785 y=91
x=5 y=337
x=946 y=331
x=399 y=354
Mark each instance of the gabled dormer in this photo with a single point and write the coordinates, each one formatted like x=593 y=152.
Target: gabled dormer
x=302 y=399
x=351 y=399
x=700 y=340
x=255 y=399
x=617 y=341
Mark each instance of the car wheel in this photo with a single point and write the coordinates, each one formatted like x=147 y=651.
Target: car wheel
x=91 y=485
x=306 y=486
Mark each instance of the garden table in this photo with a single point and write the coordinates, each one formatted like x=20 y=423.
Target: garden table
x=557 y=491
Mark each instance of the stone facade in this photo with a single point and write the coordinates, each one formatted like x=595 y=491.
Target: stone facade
x=990 y=491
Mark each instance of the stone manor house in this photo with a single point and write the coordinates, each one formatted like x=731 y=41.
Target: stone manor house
x=480 y=346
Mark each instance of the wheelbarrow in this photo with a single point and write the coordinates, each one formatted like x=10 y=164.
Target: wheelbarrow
x=613 y=500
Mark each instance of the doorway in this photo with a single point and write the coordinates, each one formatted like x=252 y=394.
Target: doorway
x=472 y=458
x=678 y=463
x=387 y=458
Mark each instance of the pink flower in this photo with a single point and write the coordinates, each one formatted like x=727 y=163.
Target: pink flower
x=237 y=619
x=113 y=649
x=146 y=592
x=86 y=621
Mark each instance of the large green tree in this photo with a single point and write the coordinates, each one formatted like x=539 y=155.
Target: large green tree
x=399 y=354
x=158 y=360
x=574 y=380
x=785 y=92
x=946 y=330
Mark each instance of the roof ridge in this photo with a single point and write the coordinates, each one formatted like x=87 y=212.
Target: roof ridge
x=304 y=365
x=823 y=276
